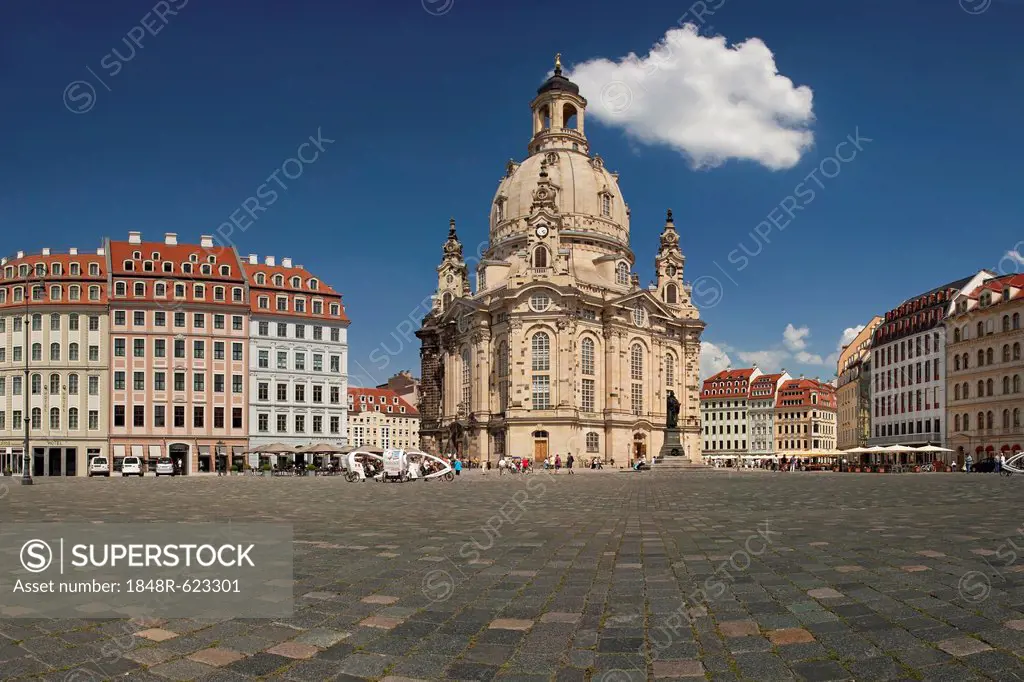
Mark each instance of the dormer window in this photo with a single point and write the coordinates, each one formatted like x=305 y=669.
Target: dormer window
x=148 y=266
x=137 y=255
x=156 y=255
x=335 y=309
x=57 y=269
x=261 y=278
x=168 y=266
x=278 y=280
x=205 y=269
x=296 y=283
x=186 y=268
x=23 y=270
x=193 y=258
x=129 y=265
x=622 y=274
x=314 y=285
x=225 y=270
x=211 y=259
x=76 y=269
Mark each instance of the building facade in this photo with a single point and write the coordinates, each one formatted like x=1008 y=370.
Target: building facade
x=179 y=326
x=298 y=356
x=853 y=389
x=559 y=350
x=380 y=418
x=723 y=410
x=908 y=369
x=406 y=386
x=805 y=417
x=761 y=412
x=986 y=369
x=53 y=361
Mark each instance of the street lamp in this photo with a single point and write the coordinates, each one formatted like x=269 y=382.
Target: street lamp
x=26 y=475
x=221 y=469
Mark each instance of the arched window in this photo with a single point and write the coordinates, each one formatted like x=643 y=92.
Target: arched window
x=670 y=370
x=541 y=352
x=37 y=322
x=1016 y=383
x=967 y=391
x=981 y=358
x=671 y=294
x=1016 y=351
x=981 y=420
x=593 y=442
x=622 y=274
x=587 y=357
x=1006 y=419
x=261 y=278
x=54 y=322
x=37 y=352
x=74 y=292
x=606 y=204
x=967 y=422
x=446 y=300
x=956 y=392
x=54 y=351
x=1006 y=352
x=55 y=292
x=1016 y=321
x=73 y=419
x=956 y=335
x=989 y=420
x=278 y=280
x=160 y=289
x=636 y=374
x=956 y=422
x=981 y=330
x=981 y=388
x=1016 y=417
x=54 y=384
x=502 y=376
x=73 y=352
x=467 y=380
x=1006 y=323
x=989 y=356
x=988 y=387
x=1006 y=385
x=965 y=363
x=540 y=257
x=37 y=418
x=54 y=418
x=72 y=384
x=37 y=384
x=956 y=362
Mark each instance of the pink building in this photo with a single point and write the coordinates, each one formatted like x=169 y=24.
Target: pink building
x=179 y=319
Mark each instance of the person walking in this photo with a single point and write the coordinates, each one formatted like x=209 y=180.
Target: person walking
x=458 y=467
x=568 y=463
x=558 y=462
x=968 y=463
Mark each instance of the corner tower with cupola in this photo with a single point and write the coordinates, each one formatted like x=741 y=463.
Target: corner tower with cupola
x=558 y=349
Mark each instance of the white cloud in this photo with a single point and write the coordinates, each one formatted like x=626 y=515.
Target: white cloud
x=1015 y=256
x=767 y=360
x=845 y=339
x=712 y=359
x=704 y=98
x=794 y=337
x=806 y=358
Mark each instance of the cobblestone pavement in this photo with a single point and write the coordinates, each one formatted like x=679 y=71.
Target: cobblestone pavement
x=601 y=576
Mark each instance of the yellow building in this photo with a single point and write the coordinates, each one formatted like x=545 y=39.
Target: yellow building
x=853 y=389
x=380 y=418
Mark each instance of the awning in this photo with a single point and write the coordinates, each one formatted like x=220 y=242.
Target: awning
x=204 y=450
x=237 y=451
x=1005 y=448
x=979 y=449
x=154 y=452
x=119 y=451
x=137 y=451
x=1016 y=447
x=989 y=448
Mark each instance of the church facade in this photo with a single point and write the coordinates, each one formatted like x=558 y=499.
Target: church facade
x=559 y=350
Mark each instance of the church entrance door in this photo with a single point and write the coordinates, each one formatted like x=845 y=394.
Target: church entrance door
x=639 y=446
x=540 y=446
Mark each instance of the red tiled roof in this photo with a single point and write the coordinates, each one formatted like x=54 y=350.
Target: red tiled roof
x=730 y=383
x=374 y=396
x=177 y=254
x=268 y=288
x=64 y=280
x=802 y=389
x=765 y=382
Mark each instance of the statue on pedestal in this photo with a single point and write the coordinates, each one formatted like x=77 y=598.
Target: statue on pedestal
x=671 y=411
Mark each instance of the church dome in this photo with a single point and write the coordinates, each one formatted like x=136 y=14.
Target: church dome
x=586 y=194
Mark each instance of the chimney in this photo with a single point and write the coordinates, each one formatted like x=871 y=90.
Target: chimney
x=286 y=262
x=171 y=238
x=101 y=251
x=73 y=251
x=46 y=250
x=134 y=237
x=254 y=259
x=206 y=241
x=21 y=254
x=269 y=261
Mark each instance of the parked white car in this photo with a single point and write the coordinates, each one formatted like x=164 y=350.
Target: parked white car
x=131 y=466
x=99 y=466
x=164 y=467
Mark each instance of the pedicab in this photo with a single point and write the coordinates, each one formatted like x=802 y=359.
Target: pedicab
x=362 y=463
x=396 y=466
x=432 y=466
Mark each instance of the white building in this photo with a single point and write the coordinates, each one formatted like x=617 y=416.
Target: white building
x=298 y=373
x=908 y=383
x=761 y=412
x=723 y=411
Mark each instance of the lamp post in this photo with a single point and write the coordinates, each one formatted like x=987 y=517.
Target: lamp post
x=26 y=476
x=221 y=470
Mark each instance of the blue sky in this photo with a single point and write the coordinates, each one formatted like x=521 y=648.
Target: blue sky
x=426 y=100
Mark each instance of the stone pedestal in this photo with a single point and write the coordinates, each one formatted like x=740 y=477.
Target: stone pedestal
x=672 y=446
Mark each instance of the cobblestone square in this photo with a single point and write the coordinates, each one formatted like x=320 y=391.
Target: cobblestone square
x=599 y=576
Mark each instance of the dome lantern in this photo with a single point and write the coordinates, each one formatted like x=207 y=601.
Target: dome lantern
x=558 y=111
